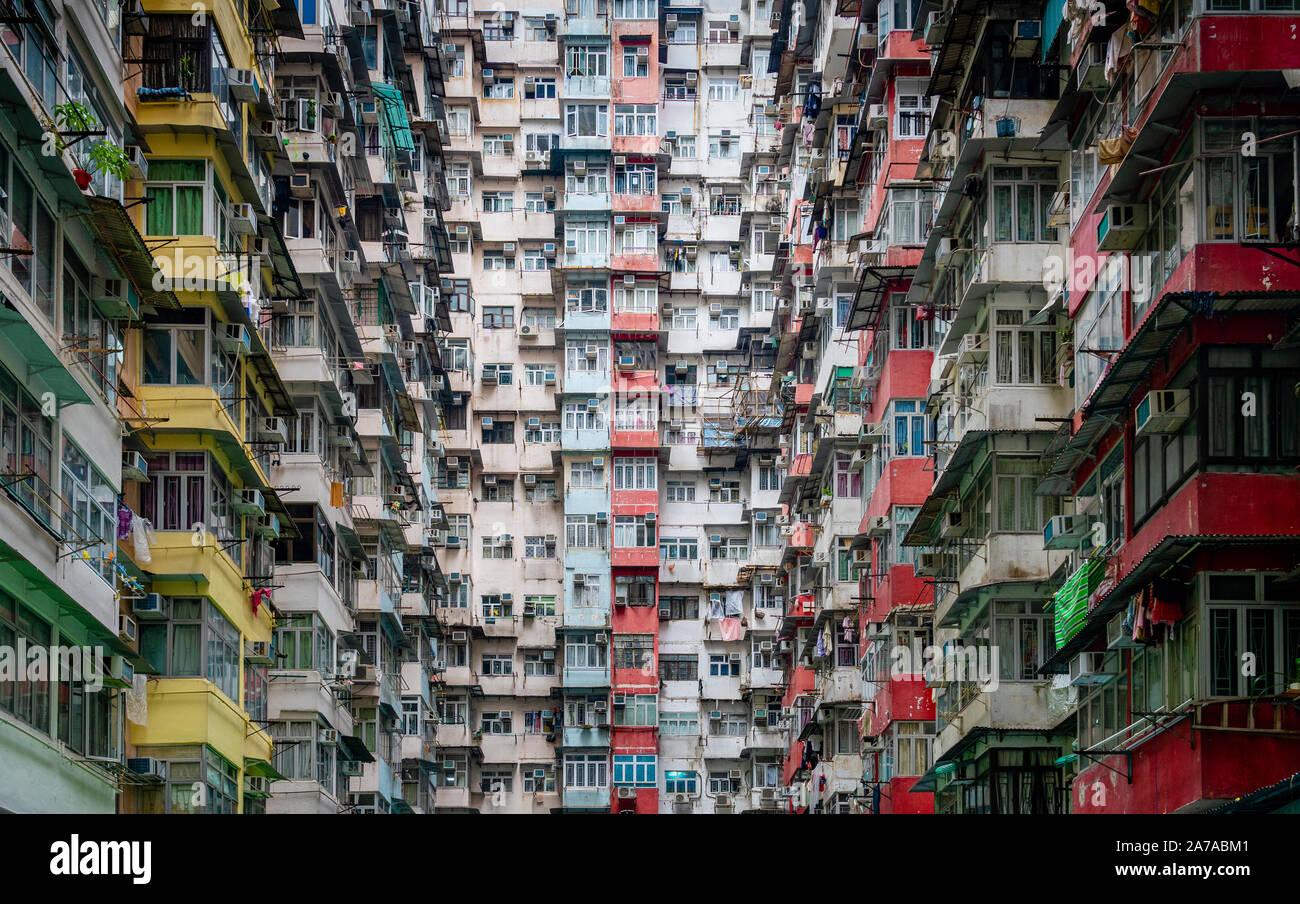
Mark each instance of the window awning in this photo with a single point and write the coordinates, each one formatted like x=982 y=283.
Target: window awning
x=262 y=769
x=395 y=119
x=354 y=749
x=123 y=243
x=43 y=365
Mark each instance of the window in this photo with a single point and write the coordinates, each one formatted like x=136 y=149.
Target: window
x=584 y=650
x=635 y=179
x=587 y=298
x=1248 y=614
x=910 y=426
x=592 y=178
x=498 y=202
x=498 y=664
x=500 y=89
x=539 y=779
x=912 y=742
x=678 y=608
x=584 y=531
x=586 y=120
x=641 y=300
x=582 y=416
x=535 y=662
x=1022 y=354
x=635 y=9
x=587 y=238
x=634 y=651
x=911 y=210
x=1018 y=510
x=912 y=113
x=636 y=119
x=539 y=548
x=679 y=548
x=684 y=32
x=1021 y=199
x=723 y=33
x=914 y=327
x=497 y=723
x=636 y=769
x=176 y=194
x=197 y=641
x=587 y=61
x=586 y=770
x=724 y=88
x=722 y=665
x=641 y=238
x=1024 y=636
x=632 y=531
x=680 y=724
x=498 y=431
x=498 y=318
x=497 y=781
x=1245 y=198
x=678 y=667
x=724 y=146
x=723 y=783
x=635 y=473
x=539 y=375
x=635 y=64
x=679 y=491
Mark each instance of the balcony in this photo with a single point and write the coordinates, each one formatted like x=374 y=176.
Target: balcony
x=586 y=86
x=585 y=798
x=585 y=678
x=585 y=736
x=723 y=747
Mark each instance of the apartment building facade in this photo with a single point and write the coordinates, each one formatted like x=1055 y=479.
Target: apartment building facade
x=611 y=170
x=238 y=382
x=1035 y=632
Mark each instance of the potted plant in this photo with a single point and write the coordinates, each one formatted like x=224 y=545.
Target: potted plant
x=311 y=114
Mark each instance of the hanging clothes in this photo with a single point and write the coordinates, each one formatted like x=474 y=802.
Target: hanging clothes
x=1167 y=602
x=124 y=518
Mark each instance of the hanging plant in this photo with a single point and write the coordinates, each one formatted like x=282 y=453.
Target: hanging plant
x=106 y=157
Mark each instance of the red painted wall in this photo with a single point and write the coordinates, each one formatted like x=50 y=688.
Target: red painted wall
x=1169 y=774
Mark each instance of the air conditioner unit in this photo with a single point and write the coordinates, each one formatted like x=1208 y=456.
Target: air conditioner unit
x=150 y=607
x=273 y=430
x=243 y=219
x=597 y=463
x=350 y=261
x=1162 y=411
x=258 y=652
x=625 y=793
x=248 y=502
x=975 y=346
x=232 y=337
x=1088 y=669
x=877 y=116
x=147 y=767
x=548 y=250
x=626 y=362
x=1121 y=227
x=369 y=112
x=329 y=736
x=930 y=563
x=242 y=85
x=954 y=524
x=879 y=525
x=1092 y=68
x=1064 y=531
x=489 y=76
x=459 y=636
x=936 y=27
x=126 y=629
x=300 y=185
x=115 y=299
x=137 y=162
x=135 y=466
x=1025 y=38
x=339 y=435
